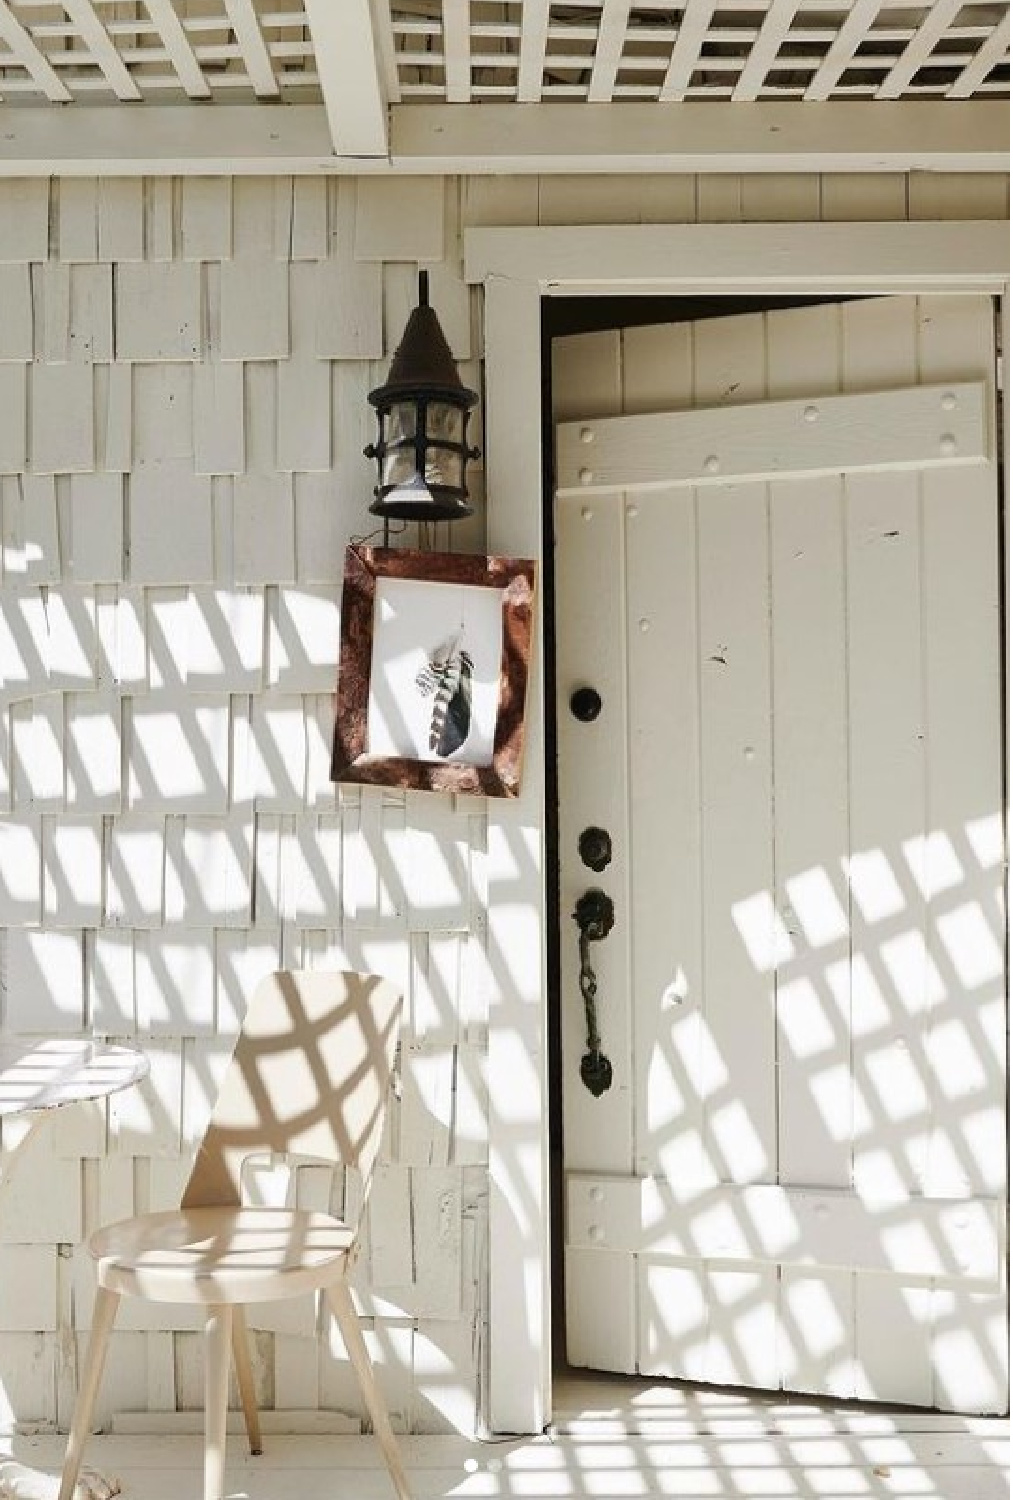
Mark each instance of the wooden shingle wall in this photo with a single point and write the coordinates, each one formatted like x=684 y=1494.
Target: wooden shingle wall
x=183 y=373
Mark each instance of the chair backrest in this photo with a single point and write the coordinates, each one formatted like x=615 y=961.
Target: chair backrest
x=310 y=1075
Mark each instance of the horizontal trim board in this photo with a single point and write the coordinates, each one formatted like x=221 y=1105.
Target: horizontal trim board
x=479 y=139
x=627 y=260
x=794 y=1226
x=920 y=427
x=849 y=136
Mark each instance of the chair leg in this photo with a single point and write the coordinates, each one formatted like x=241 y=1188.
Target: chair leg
x=217 y=1341
x=343 y=1309
x=103 y=1317
x=244 y=1379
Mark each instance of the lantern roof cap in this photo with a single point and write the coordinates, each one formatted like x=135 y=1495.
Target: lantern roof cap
x=423 y=364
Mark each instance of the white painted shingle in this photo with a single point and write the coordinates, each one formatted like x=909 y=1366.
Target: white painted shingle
x=178 y=753
x=13 y=414
x=16 y=325
x=30 y=534
x=20 y=872
x=37 y=733
x=71 y=872
x=312 y=872
x=78 y=218
x=45 y=981
x=158 y=311
x=269 y=755
x=349 y=309
x=27 y=1300
x=91 y=313
x=171 y=529
x=264 y=534
x=209 y=872
x=254 y=309
x=175 y=981
x=135 y=874
x=218 y=419
x=121 y=219
x=109 y=960
x=399 y=218
x=242 y=960
x=24 y=219
x=304 y=414
x=67 y=636
x=63 y=419
x=92 y=744
x=205 y=218
x=92 y=528
x=114 y=417
x=303 y=639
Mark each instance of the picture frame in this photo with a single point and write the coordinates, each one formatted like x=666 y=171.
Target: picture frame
x=433 y=670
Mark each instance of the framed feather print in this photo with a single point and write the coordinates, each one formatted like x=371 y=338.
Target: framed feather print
x=433 y=670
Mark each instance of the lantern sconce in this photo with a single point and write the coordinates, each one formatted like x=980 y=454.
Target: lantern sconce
x=422 y=410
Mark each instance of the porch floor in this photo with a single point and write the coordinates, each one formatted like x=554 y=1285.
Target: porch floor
x=612 y=1439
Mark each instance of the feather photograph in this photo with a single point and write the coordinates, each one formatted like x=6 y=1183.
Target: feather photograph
x=433 y=670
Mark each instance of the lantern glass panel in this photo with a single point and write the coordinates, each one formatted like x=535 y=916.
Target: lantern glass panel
x=398 y=467
x=400 y=423
x=444 y=422
x=445 y=466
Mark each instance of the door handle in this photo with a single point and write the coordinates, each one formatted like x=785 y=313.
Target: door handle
x=595 y=917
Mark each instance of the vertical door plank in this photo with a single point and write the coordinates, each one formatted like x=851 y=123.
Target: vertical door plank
x=742 y=941
x=666 y=989
x=592 y=763
x=961 y=863
x=809 y=671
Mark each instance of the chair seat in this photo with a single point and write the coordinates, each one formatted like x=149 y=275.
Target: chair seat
x=221 y=1255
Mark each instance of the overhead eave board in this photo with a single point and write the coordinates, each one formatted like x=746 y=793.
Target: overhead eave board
x=185 y=139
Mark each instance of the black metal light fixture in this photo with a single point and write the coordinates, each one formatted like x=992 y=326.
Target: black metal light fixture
x=422 y=409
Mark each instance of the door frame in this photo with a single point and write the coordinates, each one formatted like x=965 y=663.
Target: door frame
x=517 y=267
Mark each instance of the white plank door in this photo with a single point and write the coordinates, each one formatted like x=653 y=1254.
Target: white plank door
x=777 y=564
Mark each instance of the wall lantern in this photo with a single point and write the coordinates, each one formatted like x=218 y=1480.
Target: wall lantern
x=422 y=410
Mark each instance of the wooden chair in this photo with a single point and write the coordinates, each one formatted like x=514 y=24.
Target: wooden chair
x=310 y=1075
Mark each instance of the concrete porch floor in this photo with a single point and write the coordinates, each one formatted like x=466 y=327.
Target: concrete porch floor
x=612 y=1439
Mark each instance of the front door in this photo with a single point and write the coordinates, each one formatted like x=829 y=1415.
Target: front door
x=781 y=762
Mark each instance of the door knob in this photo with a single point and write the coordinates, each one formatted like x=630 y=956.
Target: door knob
x=585 y=704
x=595 y=848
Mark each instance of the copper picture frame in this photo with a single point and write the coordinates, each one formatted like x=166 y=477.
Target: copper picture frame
x=433 y=671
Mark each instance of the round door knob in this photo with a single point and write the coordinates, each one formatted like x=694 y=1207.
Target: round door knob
x=595 y=848
x=585 y=704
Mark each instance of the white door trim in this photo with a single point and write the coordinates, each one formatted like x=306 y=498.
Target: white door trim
x=518 y=267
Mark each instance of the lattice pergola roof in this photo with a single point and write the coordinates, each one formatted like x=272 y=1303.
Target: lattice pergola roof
x=525 y=51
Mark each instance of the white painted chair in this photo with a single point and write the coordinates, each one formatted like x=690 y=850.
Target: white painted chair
x=310 y=1076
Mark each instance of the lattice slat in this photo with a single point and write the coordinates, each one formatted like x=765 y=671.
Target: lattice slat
x=524 y=51
x=178 y=46
x=102 y=48
x=989 y=55
x=27 y=52
x=243 y=19
x=769 y=41
x=696 y=20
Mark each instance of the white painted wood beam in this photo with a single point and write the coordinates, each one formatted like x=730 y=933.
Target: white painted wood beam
x=992 y=51
x=959 y=135
x=919 y=49
x=615 y=15
x=457 y=50
x=383 y=33
x=256 y=59
x=842 y=49
x=102 y=49
x=177 y=44
x=531 y=61
x=696 y=19
x=29 y=54
x=685 y=258
x=765 y=137
x=774 y=30
x=349 y=76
